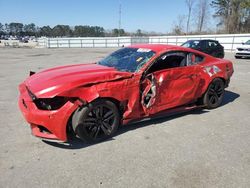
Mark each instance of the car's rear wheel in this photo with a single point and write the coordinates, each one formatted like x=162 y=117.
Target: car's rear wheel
x=214 y=94
x=97 y=121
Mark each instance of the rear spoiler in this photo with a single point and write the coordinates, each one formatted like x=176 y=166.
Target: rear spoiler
x=32 y=72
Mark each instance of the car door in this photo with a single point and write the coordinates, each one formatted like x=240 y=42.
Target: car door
x=169 y=83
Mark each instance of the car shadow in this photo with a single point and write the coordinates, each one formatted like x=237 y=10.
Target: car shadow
x=229 y=97
x=76 y=143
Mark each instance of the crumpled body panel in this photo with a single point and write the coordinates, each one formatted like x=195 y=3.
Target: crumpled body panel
x=52 y=82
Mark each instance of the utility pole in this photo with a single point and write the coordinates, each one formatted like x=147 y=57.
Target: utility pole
x=120 y=17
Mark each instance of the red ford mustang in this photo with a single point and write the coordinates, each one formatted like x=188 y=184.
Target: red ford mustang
x=132 y=83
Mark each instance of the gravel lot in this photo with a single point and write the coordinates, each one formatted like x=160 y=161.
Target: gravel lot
x=197 y=149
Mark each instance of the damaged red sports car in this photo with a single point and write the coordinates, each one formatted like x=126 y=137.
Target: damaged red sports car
x=135 y=82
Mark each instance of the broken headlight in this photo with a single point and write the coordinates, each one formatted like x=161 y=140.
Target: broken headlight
x=50 y=103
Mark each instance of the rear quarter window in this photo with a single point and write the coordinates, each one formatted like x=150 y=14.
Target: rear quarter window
x=194 y=59
x=213 y=44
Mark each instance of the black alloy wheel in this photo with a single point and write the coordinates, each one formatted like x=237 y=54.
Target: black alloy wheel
x=97 y=121
x=214 y=94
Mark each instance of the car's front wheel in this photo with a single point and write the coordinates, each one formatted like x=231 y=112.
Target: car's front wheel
x=97 y=121
x=214 y=94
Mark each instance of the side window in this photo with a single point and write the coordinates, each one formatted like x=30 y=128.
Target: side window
x=212 y=44
x=170 y=60
x=203 y=44
x=193 y=59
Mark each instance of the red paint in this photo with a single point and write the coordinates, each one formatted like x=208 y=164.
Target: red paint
x=174 y=87
x=52 y=82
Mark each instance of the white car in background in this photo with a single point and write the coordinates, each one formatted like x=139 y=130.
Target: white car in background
x=243 y=50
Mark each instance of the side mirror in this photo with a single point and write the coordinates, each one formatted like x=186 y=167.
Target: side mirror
x=242 y=43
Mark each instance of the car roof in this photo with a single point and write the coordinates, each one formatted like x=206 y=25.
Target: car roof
x=203 y=40
x=158 y=47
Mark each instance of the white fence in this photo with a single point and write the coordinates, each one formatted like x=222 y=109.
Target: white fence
x=229 y=41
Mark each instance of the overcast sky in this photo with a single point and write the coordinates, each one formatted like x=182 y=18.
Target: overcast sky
x=148 y=15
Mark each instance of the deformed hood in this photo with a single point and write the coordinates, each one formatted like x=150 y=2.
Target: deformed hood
x=51 y=82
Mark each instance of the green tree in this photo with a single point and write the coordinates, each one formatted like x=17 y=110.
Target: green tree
x=98 y=31
x=122 y=32
x=15 y=28
x=115 y=32
x=138 y=33
x=30 y=29
x=1 y=29
x=234 y=14
x=6 y=28
x=118 y=32
x=45 y=31
x=79 y=31
x=61 y=31
x=88 y=31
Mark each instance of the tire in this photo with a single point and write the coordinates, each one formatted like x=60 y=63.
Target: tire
x=97 y=121
x=237 y=57
x=214 y=94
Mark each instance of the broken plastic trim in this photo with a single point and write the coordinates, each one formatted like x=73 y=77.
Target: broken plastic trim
x=148 y=96
x=79 y=101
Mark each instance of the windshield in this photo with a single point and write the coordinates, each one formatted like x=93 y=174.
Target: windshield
x=191 y=43
x=128 y=59
x=247 y=42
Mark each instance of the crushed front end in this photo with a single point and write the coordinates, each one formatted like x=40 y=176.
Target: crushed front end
x=48 y=117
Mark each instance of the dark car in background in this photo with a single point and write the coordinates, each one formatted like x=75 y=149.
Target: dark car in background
x=211 y=47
